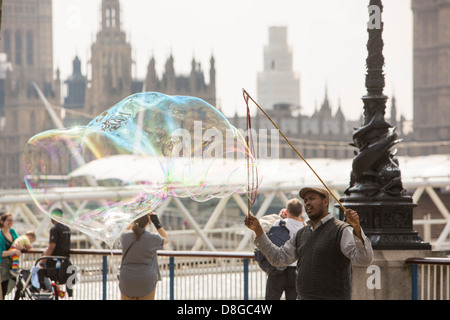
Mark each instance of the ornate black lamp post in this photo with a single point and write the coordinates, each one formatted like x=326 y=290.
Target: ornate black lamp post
x=376 y=190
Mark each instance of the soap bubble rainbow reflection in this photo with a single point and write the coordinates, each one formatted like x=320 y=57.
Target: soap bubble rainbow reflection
x=135 y=154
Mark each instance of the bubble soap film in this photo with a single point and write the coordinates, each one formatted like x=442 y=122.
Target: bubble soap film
x=137 y=153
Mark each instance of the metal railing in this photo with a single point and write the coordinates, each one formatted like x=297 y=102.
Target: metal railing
x=203 y=275
x=184 y=275
x=430 y=278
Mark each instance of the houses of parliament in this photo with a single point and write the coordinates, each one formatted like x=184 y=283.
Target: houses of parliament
x=26 y=63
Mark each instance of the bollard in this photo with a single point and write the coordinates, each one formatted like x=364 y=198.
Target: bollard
x=245 y=279
x=104 y=275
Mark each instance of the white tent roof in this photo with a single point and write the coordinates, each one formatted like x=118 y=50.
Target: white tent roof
x=424 y=170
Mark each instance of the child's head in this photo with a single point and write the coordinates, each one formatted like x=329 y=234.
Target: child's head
x=31 y=235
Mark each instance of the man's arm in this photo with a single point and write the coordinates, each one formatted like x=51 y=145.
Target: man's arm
x=354 y=244
x=49 y=250
x=277 y=256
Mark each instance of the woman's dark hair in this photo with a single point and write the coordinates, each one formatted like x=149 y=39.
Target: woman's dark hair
x=3 y=217
x=139 y=225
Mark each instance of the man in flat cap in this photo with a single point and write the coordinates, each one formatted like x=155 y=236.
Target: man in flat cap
x=324 y=249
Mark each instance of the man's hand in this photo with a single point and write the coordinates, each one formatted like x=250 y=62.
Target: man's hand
x=154 y=219
x=283 y=213
x=353 y=219
x=252 y=223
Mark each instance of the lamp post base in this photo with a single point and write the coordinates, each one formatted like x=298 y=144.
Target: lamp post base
x=386 y=221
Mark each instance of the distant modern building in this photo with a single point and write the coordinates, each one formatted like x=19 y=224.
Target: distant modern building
x=324 y=134
x=278 y=84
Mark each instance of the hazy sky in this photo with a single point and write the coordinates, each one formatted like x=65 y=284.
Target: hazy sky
x=328 y=39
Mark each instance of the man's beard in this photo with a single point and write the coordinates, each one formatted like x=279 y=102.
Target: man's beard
x=315 y=214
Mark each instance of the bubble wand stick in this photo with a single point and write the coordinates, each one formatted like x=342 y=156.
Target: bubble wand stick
x=246 y=97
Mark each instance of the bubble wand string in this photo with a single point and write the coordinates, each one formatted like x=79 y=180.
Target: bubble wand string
x=249 y=138
x=246 y=97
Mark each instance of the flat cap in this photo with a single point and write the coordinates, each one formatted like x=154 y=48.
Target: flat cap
x=304 y=191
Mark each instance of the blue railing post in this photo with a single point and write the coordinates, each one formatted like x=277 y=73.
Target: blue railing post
x=414 y=282
x=245 y=279
x=104 y=275
x=172 y=277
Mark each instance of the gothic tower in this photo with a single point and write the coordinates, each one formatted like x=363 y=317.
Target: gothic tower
x=76 y=87
x=27 y=43
x=110 y=62
x=431 y=68
x=172 y=83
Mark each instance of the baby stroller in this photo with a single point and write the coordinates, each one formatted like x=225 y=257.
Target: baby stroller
x=44 y=284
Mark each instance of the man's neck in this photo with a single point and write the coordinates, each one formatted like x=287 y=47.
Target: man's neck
x=315 y=223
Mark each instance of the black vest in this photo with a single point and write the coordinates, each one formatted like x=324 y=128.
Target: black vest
x=323 y=272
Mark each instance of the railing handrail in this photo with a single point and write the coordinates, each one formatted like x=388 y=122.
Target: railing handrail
x=164 y=253
x=439 y=261
x=222 y=254
x=429 y=275
x=180 y=276
x=432 y=280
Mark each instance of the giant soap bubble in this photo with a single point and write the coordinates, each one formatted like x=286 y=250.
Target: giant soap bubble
x=135 y=154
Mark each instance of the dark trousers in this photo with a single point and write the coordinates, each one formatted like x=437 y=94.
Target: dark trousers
x=4 y=289
x=283 y=282
x=51 y=273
